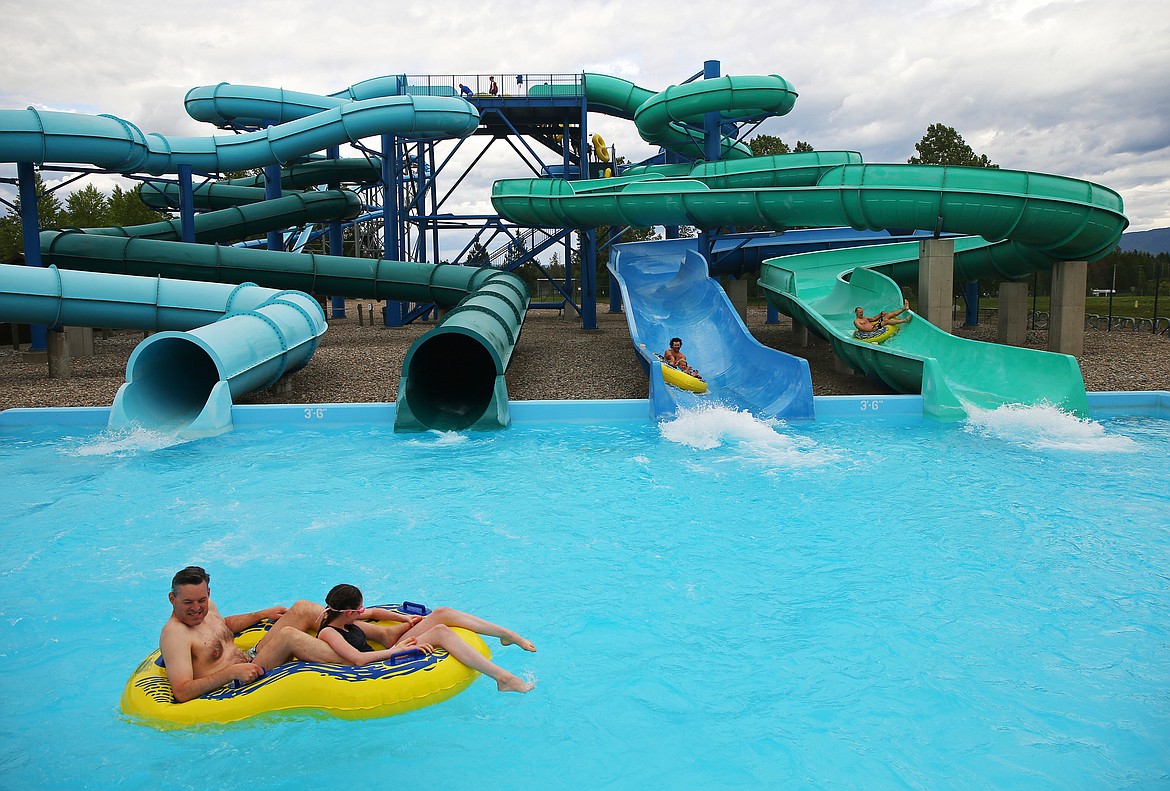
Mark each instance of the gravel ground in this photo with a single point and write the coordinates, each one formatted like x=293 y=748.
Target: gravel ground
x=362 y=363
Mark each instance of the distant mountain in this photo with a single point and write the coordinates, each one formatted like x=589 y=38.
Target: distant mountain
x=1154 y=242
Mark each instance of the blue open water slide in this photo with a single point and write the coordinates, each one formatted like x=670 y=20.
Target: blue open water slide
x=667 y=292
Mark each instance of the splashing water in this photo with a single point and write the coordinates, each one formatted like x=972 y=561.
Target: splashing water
x=1045 y=427
x=752 y=438
x=125 y=442
x=435 y=438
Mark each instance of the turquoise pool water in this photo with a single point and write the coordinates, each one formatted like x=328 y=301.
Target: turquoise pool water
x=717 y=601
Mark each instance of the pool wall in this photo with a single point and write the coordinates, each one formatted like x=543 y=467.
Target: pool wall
x=897 y=408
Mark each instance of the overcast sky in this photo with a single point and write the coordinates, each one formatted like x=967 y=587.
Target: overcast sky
x=1074 y=88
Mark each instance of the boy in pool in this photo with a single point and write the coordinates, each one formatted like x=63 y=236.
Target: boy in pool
x=345 y=626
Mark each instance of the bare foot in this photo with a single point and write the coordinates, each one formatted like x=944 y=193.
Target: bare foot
x=905 y=304
x=511 y=683
x=520 y=641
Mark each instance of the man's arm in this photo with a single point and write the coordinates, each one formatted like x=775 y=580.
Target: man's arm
x=176 y=653
x=238 y=623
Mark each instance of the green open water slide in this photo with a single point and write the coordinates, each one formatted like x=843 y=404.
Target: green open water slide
x=821 y=289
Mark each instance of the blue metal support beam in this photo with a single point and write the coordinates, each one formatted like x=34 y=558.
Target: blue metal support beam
x=186 y=205
x=30 y=231
x=336 y=237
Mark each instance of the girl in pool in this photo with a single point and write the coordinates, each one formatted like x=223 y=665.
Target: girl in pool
x=346 y=626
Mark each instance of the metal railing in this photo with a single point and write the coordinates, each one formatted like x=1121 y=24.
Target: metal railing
x=507 y=85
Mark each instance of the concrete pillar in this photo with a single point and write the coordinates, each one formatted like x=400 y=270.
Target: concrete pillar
x=936 y=282
x=842 y=367
x=800 y=334
x=282 y=386
x=1066 y=324
x=737 y=292
x=58 y=347
x=80 y=341
x=1013 y=312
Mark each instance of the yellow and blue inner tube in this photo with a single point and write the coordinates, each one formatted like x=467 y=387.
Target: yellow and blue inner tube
x=681 y=380
x=880 y=335
x=380 y=689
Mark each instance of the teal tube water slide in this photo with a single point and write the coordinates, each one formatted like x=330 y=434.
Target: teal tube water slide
x=1041 y=219
x=228 y=193
x=458 y=367
x=111 y=143
x=213 y=342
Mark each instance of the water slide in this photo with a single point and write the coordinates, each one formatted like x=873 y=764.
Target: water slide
x=667 y=291
x=1042 y=219
x=452 y=376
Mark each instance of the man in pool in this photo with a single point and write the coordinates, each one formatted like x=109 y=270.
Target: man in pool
x=199 y=650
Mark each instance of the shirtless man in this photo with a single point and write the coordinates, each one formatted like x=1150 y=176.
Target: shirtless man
x=198 y=647
x=676 y=359
x=873 y=324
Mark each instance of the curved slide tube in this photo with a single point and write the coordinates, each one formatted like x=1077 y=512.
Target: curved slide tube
x=237 y=222
x=456 y=372
x=1060 y=218
x=214 y=341
x=622 y=98
x=667 y=293
x=821 y=290
x=184 y=382
x=114 y=144
x=214 y=195
x=225 y=104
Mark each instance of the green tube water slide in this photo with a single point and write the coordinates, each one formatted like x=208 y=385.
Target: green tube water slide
x=453 y=376
x=1024 y=222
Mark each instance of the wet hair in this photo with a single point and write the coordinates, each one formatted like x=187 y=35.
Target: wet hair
x=192 y=575
x=672 y=340
x=341 y=597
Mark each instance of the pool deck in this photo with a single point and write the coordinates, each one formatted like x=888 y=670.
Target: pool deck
x=896 y=408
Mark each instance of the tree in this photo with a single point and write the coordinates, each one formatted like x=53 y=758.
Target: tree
x=48 y=216
x=127 y=208
x=478 y=254
x=767 y=145
x=943 y=145
x=87 y=208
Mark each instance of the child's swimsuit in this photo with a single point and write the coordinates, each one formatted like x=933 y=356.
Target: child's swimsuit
x=354 y=636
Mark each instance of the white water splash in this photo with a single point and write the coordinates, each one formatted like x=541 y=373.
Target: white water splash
x=1045 y=427
x=434 y=438
x=125 y=442
x=750 y=437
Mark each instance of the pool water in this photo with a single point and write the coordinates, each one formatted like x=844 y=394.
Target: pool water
x=717 y=601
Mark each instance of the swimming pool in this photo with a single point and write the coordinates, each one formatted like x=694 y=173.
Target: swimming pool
x=717 y=601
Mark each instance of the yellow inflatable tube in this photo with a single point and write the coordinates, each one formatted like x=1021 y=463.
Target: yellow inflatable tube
x=684 y=381
x=889 y=331
x=379 y=689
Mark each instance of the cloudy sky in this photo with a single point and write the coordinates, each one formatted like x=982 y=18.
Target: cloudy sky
x=1060 y=86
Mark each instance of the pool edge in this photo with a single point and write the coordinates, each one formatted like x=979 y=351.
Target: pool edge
x=1143 y=403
